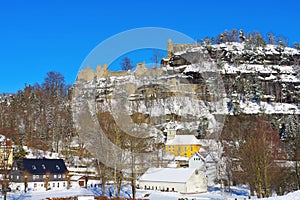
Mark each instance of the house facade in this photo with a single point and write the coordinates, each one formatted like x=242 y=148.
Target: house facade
x=198 y=161
x=183 y=145
x=39 y=174
x=78 y=180
x=183 y=180
x=171 y=134
x=6 y=157
x=207 y=159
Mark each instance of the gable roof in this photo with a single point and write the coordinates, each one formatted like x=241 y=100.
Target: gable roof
x=184 y=140
x=205 y=157
x=171 y=175
x=76 y=178
x=197 y=155
x=42 y=166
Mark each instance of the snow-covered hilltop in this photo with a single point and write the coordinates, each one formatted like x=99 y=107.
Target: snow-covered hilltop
x=256 y=79
x=202 y=82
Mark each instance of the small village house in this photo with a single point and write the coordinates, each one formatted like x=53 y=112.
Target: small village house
x=183 y=180
x=6 y=160
x=205 y=160
x=198 y=161
x=39 y=174
x=6 y=155
x=78 y=180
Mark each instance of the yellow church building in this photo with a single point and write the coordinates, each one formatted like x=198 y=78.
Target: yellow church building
x=183 y=145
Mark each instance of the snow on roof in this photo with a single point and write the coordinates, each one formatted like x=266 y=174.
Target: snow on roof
x=199 y=155
x=175 y=175
x=183 y=140
x=76 y=177
x=181 y=158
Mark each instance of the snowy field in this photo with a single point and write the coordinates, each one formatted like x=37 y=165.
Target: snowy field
x=215 y=193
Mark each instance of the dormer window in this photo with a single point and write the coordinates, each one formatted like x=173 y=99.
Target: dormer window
x=33 y=167
x=57 y=167
x=43 y=166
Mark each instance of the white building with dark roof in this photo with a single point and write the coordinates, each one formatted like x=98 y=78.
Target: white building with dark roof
x=183 y=180
x=38 y=174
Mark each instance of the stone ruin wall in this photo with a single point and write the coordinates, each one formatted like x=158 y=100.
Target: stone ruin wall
x=88 y=74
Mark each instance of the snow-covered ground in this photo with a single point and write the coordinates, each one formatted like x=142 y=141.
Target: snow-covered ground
x=217 y=194
x=214 y=193
x=37 y=195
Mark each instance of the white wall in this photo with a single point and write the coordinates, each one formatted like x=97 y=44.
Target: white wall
x=53 y=185
x=197 y=163
x=197 y=183
x=178 y=187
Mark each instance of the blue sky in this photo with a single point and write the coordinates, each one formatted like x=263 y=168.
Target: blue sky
x=42 y=36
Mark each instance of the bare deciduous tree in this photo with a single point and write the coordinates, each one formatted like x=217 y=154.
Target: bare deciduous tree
x=157 y=56
x=126 y=64
x=258 y=155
